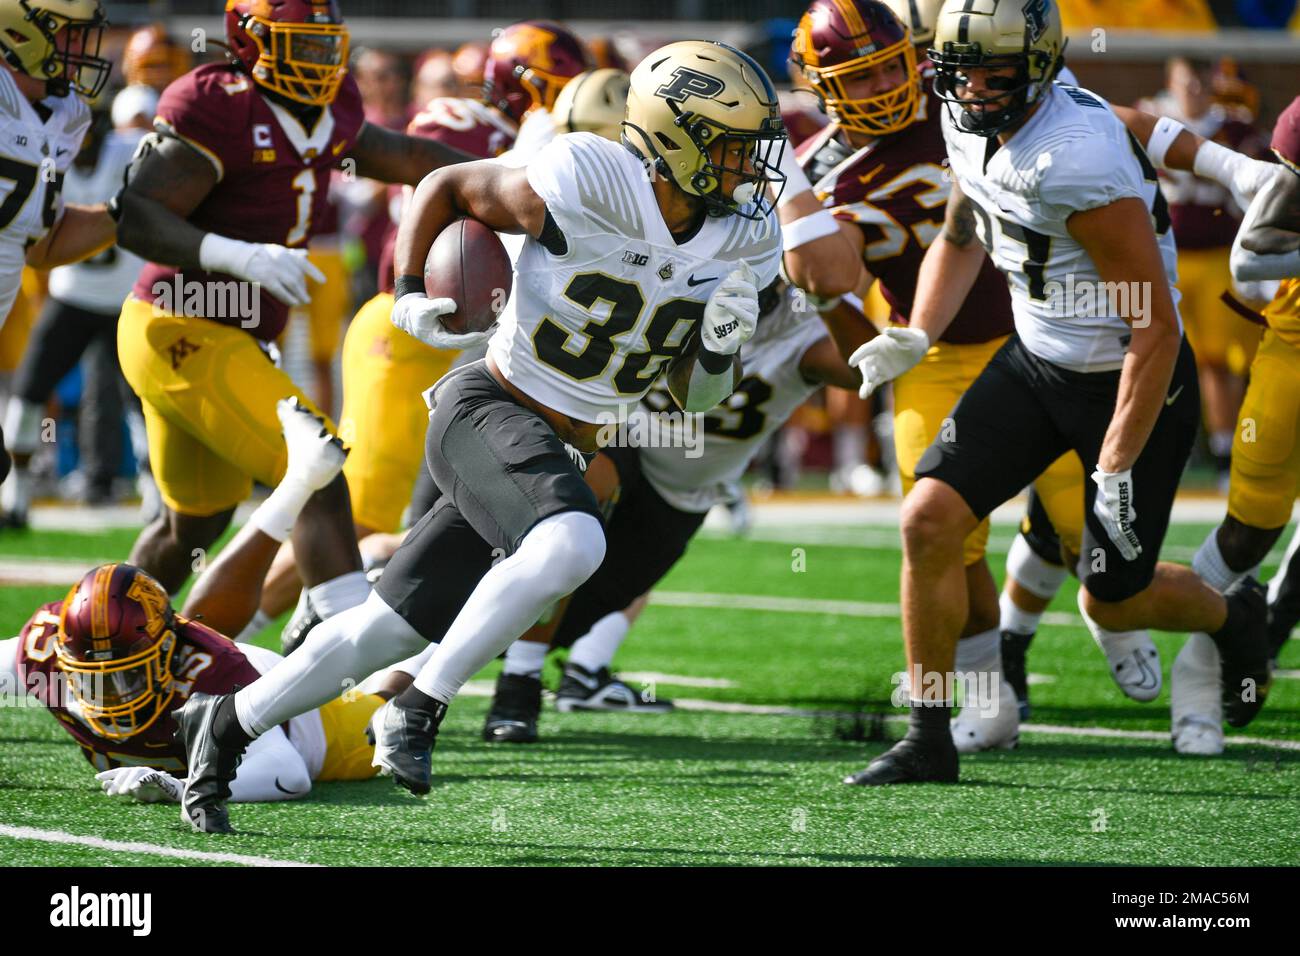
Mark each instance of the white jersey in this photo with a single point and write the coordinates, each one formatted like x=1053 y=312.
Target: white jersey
x=102 y=282
x=306 y=732
x=690 y=470
x=587 y=332
x=1073 y=154
x=37 y=145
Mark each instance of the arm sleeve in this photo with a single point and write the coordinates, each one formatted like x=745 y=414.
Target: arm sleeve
x=271 y=770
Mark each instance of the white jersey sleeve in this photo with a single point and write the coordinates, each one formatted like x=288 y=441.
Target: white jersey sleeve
x=690 y=459
x=592 y=322
x=36 y=150
x=1074 y=154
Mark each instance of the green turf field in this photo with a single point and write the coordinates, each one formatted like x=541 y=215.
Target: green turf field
x=706 y=786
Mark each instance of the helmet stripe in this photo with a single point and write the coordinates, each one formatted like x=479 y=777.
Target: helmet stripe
x=852 y=17
x=99 y=602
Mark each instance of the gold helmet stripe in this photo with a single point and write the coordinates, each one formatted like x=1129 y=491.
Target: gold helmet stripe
x=99 y=602
x=852 y=18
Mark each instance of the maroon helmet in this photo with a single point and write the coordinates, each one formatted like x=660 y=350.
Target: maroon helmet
x=297 y=48
x=837 y=39
x=117 y=633
x=529 y=63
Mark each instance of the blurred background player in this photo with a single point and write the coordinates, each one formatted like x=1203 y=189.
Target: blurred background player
x=80 y=315
x=113 y=662
x=1205 y=220
x=467 y=64
x=528 y=64
x=223 y=204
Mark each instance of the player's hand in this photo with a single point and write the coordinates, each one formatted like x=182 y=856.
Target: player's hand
x=316 y=454
x=281 y=271
x=1248 y=178
x=887 y=356
x=731 y=314
x=421 y=318
x=1113 y=507
x=141 y=783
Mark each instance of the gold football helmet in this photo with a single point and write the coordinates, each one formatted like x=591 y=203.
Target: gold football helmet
x=990 y=34
x=687 y=98
x=56 y=41
x=918 y=16
x=593 y=102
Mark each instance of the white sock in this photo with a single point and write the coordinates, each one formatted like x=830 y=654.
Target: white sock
x=526 y=658
x=1038 y=577
x=1209 y=564
x=596 y=648
x=254 y=627
x=22 y=426
x=848 y=446
x=276 y=516
x=16 y=492
x=979 y=666
x=554 y=558
x=1015 y=619
x=1221 y=444
x=339 y=594
x=338 y=654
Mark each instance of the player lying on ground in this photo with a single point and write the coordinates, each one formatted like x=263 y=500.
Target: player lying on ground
x=114 y=663
x=1098 y=375
x=584 y=334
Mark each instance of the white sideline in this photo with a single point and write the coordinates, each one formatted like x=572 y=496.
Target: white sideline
x=117 y=846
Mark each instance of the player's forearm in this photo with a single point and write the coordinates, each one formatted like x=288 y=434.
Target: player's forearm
x=227 y=595
x=397 y=158
x=947 y=274
x=819 y=258
x=699 y=382
x=1143 y=388
x=154 y=232
x=849 y=328
x=432 y=209
x=81 y=232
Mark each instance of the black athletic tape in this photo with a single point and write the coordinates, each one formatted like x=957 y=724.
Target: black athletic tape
x=407 y=284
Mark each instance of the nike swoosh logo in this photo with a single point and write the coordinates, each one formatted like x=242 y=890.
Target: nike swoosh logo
x=1173 y=397
x=60 y=152
x=864 y=179
x=692 y=281
x=337 y=148
x=283 y=790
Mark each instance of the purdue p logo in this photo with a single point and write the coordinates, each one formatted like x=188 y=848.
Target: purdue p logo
x=1035 y=12
x=687 y=82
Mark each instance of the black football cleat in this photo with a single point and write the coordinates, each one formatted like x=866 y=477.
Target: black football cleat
x=910 y=761
x=1015 y=671
x=1244 y=652
x=299 y=625
x=211 y=766
x=516 y=706
x=403 y=738
x=582 y=689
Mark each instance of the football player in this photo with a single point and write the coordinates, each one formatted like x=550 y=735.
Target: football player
x=384 y=369
x=223 y=205
x=51 y=66
x=621 y=273
x=1265 y=476
x=1205 y=220
x=876 y=177
x=1112 y=380
x=666 y=488
x=113 y=662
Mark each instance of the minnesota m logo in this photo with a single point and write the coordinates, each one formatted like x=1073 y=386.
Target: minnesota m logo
x=687 y=82
x=180 y=350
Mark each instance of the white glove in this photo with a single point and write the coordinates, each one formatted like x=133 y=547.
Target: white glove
x=141 y=783
x=421 y=318
x=888 y=355
x=731 y=314
x=283 y=272
x=316 y=455
x=1113 y=507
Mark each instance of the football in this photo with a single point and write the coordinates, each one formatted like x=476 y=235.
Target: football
x=469 y=264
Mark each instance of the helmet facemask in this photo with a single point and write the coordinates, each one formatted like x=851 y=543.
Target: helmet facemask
x=120 y=698
x=1013 y=96
x=71 y=62
x=876 y=115
x=305 y=62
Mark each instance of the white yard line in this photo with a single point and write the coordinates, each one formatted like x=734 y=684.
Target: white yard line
x=117 y=846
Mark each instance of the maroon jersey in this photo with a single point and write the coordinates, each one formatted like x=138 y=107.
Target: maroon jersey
x=895 y=189
x=204 y=662
x=464 y=124
x=273 y=176
x=1286 y=137
x=1202 y=212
